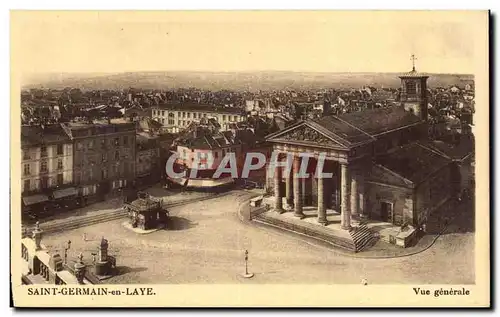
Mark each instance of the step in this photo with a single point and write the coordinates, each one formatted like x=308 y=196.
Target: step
x=363 y=237
x=303 y=230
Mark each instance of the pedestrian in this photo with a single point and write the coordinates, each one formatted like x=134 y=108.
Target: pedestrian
x=364 y=281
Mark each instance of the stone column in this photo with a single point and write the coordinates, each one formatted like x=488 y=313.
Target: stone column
x=303 y=187
x=354 y=197
x=289 y=189
x=362 y=194
x=321 y=201
x=297 y=195
x=345 y=217
x=278 y=204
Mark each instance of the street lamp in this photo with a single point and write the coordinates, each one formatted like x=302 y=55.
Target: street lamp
x=66 y=248
x=247 y=275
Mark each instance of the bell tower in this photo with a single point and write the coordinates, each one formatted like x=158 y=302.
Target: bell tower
x=414 y=92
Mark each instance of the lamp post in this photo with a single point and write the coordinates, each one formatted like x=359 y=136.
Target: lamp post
x=66 y=248
x=247 y=275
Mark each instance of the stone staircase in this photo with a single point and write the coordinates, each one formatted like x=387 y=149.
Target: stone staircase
x=306 y=229
x=363 y=237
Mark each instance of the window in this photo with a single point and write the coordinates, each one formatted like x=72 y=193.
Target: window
x=204 y=115
x=411 y=88
x=171 y=122
x=104 y=174
x=183 y=114
x=223 y=117
x=163 y=121
x=91 y=144
x=117 y=155
x=103 y=143
x=178 y=122
x=43 y=166
x=154 y=112
x=59 y=164
x=43 y=151
x=179 y=114
x=60 y=149
x=27 y=185
x=44 y=182
x=104 y=157
x=125 y=140
x=78 y=177
x=117 y=141
x=26 y=155
x=216 y=154
x=60 y=179
x=189 y=114
x=26 y=169
x=163 y=113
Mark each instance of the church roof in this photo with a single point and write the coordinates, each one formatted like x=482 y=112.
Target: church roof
x=413 y=162
x=347 y=130
x=370 y=122
x=413 y=74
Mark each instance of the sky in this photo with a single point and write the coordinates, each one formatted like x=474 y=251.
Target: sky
x=321 y=41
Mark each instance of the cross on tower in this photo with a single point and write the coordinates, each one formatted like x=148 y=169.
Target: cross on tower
x=413 y=59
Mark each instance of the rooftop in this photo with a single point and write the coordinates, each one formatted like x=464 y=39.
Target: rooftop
x=40 y=134
x=413 y=74
x=199 y=107
x=413 y=162
x=362 y=126
x=458 y=151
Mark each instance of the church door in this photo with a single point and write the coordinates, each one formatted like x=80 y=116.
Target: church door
x=386 y=211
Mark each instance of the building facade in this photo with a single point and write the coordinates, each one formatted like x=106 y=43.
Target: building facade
x=104 y=156
x=46 y=164
x=148 y=161
x=177 y=117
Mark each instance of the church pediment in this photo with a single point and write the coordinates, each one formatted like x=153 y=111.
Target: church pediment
x=304 y=134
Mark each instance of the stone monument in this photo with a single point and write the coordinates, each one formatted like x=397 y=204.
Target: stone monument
x=80 y=269
x=105 y=263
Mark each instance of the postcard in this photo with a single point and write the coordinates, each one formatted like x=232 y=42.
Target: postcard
x=250 y=159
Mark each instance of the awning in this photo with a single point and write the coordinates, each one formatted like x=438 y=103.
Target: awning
x=35 y=199
x=70 y=191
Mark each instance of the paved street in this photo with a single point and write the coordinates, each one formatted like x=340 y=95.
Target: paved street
x=206 y=244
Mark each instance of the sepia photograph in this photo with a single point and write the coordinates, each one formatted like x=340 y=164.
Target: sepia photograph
x=250 y=158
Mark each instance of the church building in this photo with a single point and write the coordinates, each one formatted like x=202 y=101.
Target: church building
x=383 y=164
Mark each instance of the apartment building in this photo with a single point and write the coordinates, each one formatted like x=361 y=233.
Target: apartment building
x=46 y=164
x=177 y=117
x=104 y=156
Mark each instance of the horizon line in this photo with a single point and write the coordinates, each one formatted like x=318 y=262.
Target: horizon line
x=243 y=71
